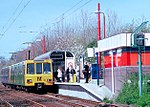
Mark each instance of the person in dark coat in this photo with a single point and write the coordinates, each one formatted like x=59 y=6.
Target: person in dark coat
x=63 y=74
x=86 y=68
x=67 y=74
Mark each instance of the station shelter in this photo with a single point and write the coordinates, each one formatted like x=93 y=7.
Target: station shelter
x=120 y=59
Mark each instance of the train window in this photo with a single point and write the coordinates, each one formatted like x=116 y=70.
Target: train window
x=46 y=68
x=23 y=68
x=68 y=54
x=30 y=68
x=56 y=56
x=38 y=68
x=12 y=69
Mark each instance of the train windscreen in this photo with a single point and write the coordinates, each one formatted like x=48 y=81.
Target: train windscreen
x=46 y=68
x=30 y=68
x=39 y=68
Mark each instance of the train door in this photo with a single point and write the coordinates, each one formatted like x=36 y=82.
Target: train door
x=58 y=58
x=69 y=60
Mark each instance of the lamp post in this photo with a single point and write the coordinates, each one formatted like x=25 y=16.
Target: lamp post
x=134 y=38
x=104 y=22
x=99 y=29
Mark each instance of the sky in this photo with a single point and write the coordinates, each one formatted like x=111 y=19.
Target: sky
x=22 y=20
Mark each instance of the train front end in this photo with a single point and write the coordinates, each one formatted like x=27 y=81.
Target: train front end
x=38 y=74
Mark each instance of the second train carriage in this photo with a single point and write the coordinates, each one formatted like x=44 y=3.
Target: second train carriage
x=29 y=75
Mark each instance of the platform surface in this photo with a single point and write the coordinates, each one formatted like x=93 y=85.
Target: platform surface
x=85 y=90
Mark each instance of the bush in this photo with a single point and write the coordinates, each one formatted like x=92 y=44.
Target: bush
x=130 y=93
x=144 y=101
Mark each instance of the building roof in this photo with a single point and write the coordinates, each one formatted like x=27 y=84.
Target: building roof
x=118 y=41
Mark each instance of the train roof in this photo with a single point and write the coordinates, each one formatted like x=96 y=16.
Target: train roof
x=47 y=54
x=22 y=62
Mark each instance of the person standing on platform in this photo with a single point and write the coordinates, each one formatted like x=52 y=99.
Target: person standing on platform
x=78 y=74
x=67 y=74
x=86 y=68
x=90 y=72
x=73 y=74
x=59 y=75
x=70 y=73
x=63 y=74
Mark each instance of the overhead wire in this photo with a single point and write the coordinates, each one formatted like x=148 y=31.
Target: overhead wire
x=12 y=14
x=69 y=9
x=2 y=34
x=80 y=7
x=63 y=14
x=15 y=19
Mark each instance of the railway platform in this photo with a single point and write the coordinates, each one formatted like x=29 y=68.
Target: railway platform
x=84 y=90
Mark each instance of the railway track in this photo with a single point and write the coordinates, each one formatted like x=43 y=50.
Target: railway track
x=13 y=98
x=23 y=99
x=82 y=102
x=50 y=101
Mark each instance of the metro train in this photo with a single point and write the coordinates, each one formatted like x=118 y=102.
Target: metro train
x=28 y=75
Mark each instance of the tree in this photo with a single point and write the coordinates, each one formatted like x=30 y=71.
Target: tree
x=130 y=27
x=76 y=35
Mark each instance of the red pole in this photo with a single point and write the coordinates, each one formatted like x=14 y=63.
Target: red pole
x=43 y=45
x=99 y=24
x=99 y=34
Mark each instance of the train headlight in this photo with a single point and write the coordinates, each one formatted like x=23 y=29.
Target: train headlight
x=49 y=80
x=29 y=80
